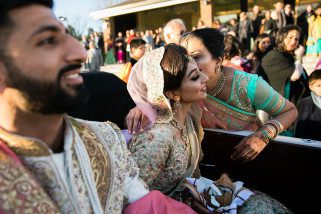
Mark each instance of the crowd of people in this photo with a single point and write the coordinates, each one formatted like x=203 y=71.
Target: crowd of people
x=56 y=157
x=246 y=29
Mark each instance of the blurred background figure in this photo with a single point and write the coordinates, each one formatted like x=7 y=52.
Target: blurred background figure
x=232 y=27
x=94 y=57
x=245 y=30
x=289 y=20
x=131 y=35
x=314 y=39
x=233 y=54
x=110 y=53
x=256 y=21
x=262 y=45
x=217 y=25
x=173 y=31
x=150 y=45
x=137 y=51
x=280 y=15
x=120 y=48
x=84 y=42
x=303 y=23
x=200 y=24
x=268 y=25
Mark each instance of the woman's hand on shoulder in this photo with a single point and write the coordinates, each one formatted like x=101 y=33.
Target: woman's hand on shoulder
x=249 y=148
x=136 y=121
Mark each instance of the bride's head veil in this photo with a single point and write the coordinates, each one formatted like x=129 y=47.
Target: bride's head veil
x=146 y=87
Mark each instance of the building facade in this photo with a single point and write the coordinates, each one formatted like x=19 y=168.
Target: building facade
x=122 y=15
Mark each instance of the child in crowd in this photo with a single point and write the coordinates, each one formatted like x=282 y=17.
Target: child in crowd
x=308 y=124
x=137 y=50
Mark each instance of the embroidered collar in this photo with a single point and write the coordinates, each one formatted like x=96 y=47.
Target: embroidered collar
x=28 y=146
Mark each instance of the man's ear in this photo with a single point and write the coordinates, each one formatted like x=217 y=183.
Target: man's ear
x=3 y=76
x=168 y=36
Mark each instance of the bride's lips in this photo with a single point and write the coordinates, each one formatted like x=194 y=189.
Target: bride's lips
x=203 y=89
x=72 y=77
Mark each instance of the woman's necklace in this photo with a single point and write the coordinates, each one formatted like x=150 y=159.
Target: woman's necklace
x=183 y=130
x=219 y=86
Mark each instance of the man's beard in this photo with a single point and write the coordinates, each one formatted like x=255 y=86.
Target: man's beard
x=46 y=97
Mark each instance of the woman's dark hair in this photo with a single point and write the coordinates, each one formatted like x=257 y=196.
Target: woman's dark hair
x=282 y=34
x=257 y=53
x=174 y=65
x=233 y=47
x=212 y=39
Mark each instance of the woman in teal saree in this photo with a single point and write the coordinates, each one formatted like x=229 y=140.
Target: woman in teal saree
x=235 y=96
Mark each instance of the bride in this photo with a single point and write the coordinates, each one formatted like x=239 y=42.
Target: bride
x=165 y=85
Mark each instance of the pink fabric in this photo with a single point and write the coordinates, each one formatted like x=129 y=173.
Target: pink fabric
x=120 y=55
x=157 y=203
x=6 y=151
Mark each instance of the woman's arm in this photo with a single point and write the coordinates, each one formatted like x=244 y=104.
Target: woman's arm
x=284 y=114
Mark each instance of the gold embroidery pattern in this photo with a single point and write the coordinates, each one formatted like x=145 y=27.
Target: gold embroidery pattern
x=240 y=98
x=100 y=162
x=114 y=143
x=225 y=112
x=24 y=146
x=19 y=193
x=43 y=171
x=281 y=101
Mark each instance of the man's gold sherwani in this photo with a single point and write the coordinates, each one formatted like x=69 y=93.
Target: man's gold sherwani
x=94 y=174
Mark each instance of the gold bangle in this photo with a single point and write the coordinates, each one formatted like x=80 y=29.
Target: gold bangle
x=263 y=137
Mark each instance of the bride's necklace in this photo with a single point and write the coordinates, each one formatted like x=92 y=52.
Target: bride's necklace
x=183 y=130
x=219 y=86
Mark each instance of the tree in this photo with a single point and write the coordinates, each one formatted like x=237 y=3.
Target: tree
x=90 y=31
x=75 y=33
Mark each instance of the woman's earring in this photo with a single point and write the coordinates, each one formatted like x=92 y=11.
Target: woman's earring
x=176 y=105
x=218 y=69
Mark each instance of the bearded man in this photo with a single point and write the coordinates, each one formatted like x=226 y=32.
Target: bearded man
x=49 y=162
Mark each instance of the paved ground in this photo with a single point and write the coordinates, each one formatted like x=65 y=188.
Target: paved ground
x=309 y=64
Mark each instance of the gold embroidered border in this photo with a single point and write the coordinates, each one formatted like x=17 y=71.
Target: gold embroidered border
x=99 y=159
x=24 y=146
x=233 y=113
x=19 y=192
x=281 y=101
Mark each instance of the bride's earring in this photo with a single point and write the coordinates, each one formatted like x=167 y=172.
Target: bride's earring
x=218 y=69
x=176 y=105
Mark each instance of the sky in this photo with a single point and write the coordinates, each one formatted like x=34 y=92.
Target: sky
x=77 y=13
